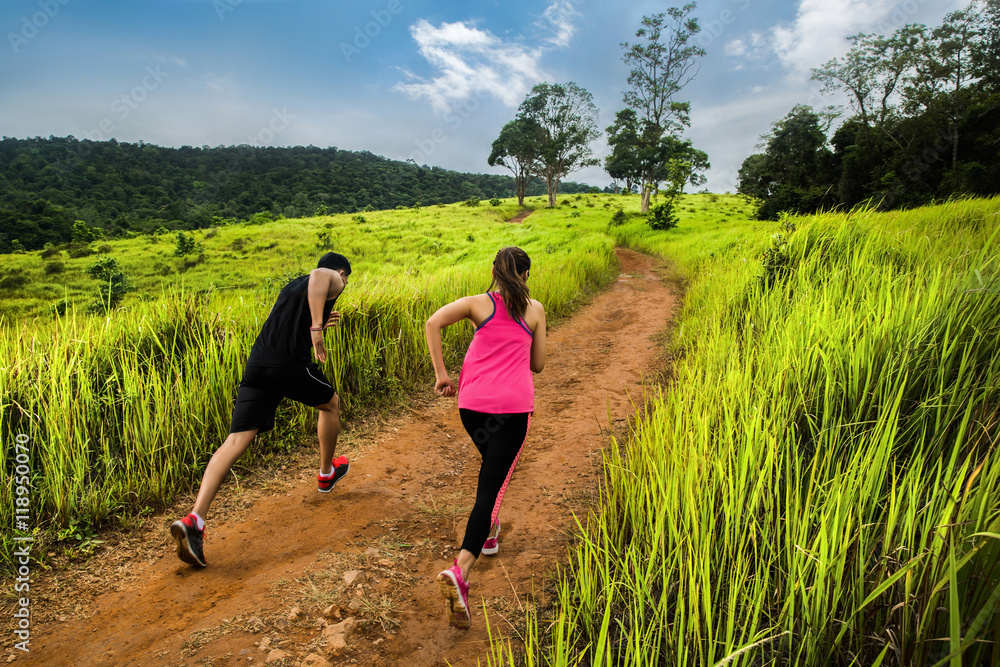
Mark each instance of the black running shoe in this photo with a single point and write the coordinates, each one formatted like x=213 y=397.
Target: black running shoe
x=340 y=467
x=188 y=538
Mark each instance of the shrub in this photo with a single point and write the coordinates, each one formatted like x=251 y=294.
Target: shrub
x=261 y=218
x=564 y=202
x=239 y=244
x=83 y=233
x=80 y=250
x=471 y=201
x=662 y=216
x=619 y=218
x=13 y=280
x=113 y=284
x=574 y=214
x=358 y=218
x=160 y=231
x=104 y=248
x=52 y=268
x=186 y=245
x=324 y=239
x=495 y=201
x=49 y=251
x=17 y=247
x=322 y=209
x=369 y=208
x=60 y=306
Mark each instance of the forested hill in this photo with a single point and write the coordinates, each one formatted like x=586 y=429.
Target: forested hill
x=47 y=184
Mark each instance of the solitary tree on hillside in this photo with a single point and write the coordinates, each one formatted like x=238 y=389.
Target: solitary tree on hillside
x=566 y=118
x=517 y=149
x=663 y=62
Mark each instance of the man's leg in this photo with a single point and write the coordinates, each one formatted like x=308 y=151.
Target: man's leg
x=328 y=429
x=222 y=461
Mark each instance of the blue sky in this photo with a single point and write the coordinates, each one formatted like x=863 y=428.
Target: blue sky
x=432 y=81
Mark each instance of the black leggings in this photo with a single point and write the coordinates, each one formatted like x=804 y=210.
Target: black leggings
x=499 y=438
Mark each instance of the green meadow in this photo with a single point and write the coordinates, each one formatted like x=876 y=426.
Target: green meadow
x=815 y=484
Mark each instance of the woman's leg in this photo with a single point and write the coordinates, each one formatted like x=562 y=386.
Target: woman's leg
x=499 y=438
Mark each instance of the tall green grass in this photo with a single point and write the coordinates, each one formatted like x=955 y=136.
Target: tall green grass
x=819 y=484
x=124 y=410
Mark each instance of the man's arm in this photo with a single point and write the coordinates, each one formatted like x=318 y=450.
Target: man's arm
x=324 y=284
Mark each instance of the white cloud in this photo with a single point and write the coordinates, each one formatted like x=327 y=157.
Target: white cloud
x=560 y=15
x=821 y=27
x=736 y=48
x=470 y=61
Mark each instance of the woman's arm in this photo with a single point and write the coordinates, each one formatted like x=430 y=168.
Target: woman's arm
x=538 y=340
x=444 y=317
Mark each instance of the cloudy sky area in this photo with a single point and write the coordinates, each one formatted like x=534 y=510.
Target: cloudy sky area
x=430 y=81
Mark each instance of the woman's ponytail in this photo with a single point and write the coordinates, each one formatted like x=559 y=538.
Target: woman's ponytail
x=508 y=267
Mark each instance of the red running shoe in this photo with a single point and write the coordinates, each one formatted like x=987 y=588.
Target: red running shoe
x=188 y=538
x=340 y=468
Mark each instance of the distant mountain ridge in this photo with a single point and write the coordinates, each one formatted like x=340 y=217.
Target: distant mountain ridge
x=48 y=183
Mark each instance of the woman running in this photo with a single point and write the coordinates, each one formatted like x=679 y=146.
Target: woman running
x=496 y=398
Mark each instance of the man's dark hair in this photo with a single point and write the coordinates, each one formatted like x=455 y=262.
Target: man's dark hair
x=335 y=261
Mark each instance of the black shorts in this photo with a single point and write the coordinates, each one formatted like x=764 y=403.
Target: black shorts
x=263 y=387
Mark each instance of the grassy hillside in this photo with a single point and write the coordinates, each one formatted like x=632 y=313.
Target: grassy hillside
x=819 y=483
x=124 y=409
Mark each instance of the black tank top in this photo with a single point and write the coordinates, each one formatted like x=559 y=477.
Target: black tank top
x=285 y=340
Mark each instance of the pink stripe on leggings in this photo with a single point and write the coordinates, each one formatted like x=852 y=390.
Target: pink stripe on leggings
x=503 y=489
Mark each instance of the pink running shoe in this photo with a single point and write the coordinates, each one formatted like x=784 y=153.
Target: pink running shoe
x=492 y=544
x=456 y=592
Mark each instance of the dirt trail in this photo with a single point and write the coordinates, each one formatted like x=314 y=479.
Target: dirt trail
x=519 y=218
x=397 y=516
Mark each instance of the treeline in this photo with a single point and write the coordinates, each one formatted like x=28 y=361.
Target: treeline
x=48 y=184
x=924 y=123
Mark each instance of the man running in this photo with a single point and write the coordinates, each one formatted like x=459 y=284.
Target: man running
x=279 y=366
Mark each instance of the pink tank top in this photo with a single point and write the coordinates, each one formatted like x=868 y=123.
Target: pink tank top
x=496 y=376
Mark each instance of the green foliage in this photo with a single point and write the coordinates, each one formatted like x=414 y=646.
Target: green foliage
x=495 y=201
x=13 y=280
x=113 y=285
x=186 y=245
x=561 y=122
x=471 y=201
x=117 y=188
x=49 y=251
x=923 y=124
x=54 y=268
x=83 y=233
x=325 y=238
x=16 y=247
x=663 y=216
x=76 y=250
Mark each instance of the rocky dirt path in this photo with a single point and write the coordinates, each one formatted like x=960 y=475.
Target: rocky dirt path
x=287 y=566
